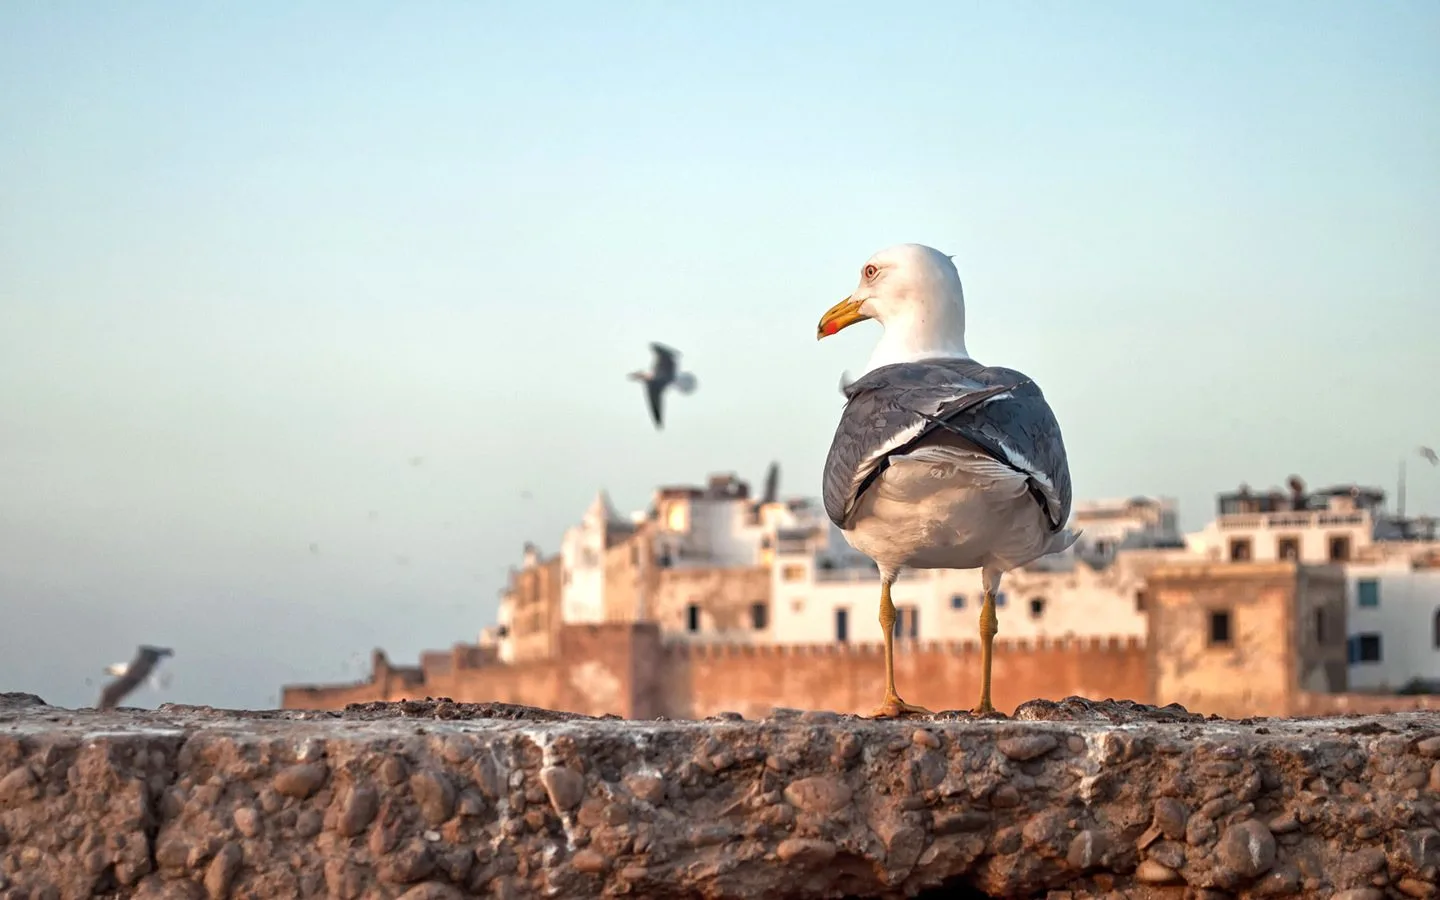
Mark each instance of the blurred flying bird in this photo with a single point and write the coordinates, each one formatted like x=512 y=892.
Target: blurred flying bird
x=1429 y=454
x=663 y=373
x=131 y=674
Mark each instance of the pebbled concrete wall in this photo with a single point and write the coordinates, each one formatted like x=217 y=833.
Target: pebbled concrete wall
x=437 y=800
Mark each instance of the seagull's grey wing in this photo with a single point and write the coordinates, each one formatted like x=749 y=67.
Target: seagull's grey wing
x=999 y=410
x=653 y=389
x=665 y=363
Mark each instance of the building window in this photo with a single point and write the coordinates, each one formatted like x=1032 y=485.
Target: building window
x=692 y=618
x=1367 y=593
x=999 y=599
x=957 y=601
x=1037 y=607
x=793 y=573
x=907 y=622
x=1239 y=549
x=842 y=625
x=759 y=615
x=1220 y=628
x=1141 y=601
x=1320 y=626
x=1437 y=628
x=1288 y=548
x=1339 y=547
x=1367 y=648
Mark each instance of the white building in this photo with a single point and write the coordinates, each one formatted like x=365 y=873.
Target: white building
x=1109 y=526
x=832 y=594
x=1392 y=568
x=815 y=604
x=1394 y=623
x=582 y=554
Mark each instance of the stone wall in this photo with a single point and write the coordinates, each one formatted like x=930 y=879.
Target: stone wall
x=440 y=801
x=704 y=680
x=627 y=670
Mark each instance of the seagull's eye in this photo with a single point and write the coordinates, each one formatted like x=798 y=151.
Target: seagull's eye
x=870 y=270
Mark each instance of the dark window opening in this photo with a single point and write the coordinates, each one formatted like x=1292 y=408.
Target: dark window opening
x=1339 y=548
x=1437 y=628
x=1320 y=626
x=1288 y=548
x=957 y=601
x=1239 y=549
x=999 y=599
x=1220 y=628
x=1142 y=600
x=1367 y=648
x=1367 y=593
x=842 y=625
x=1037 y=607
x=759 y=615
x=692 y=618
x=907 y=622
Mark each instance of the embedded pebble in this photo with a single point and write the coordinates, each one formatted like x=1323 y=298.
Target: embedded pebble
x=220 y=875
x=1025 y=747
x=358 y=807
x=1246 y=850
x=1151 y=872
x=819 y=794
x=923 y=738
x=435 y=794
x=565 y=786
x=1171 y=817
x=300 y=780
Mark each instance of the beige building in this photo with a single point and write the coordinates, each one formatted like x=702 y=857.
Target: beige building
x=1247 y=639
x=530 y=609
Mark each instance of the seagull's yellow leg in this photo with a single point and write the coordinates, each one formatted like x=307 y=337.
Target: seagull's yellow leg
x=893 y=706
x=989 y=625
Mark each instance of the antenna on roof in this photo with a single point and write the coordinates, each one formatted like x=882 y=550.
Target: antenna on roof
x=772 y=484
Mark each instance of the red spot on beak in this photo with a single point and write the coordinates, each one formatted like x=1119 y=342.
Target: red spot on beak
x=831 y=328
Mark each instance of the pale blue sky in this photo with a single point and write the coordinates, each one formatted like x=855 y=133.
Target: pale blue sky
x=254 y=258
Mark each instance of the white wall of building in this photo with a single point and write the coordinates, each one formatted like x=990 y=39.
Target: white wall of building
x=1312 y=530
x=582 y=561
x=1077 y=602
x=1404 y=620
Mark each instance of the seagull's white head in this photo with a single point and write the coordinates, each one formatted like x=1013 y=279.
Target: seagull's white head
x=914 y=292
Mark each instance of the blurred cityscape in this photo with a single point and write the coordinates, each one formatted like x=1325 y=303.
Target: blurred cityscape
x=718 y=598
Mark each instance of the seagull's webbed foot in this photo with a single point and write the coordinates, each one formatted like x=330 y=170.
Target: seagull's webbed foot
x=895 y=708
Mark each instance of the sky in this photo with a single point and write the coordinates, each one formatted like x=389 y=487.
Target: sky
x=256 y=259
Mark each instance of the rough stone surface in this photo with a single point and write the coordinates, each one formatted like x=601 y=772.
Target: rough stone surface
x=439 y=800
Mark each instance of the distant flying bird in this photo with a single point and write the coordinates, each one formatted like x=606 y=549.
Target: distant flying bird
x=416 y=460
x=938 y=461
x=663 y=373
x=1429 y=454
x=131 y=675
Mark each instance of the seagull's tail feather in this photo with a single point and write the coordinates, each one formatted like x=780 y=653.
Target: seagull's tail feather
x=1062 y=540
x=685 y=382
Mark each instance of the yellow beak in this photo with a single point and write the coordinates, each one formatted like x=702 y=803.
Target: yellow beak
x=840 y=316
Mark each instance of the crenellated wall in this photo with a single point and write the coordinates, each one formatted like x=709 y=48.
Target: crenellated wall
x=626 y=670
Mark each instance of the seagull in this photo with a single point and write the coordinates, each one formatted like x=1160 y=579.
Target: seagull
x=939 y=461
x=131 y=674
x=1429 y=455
x=663 y=373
